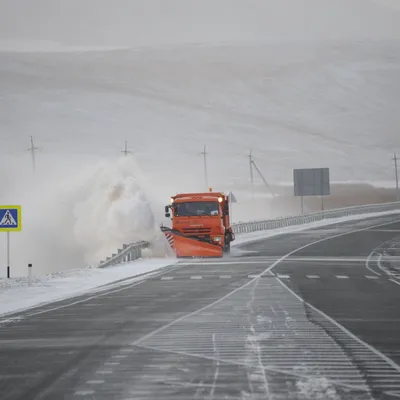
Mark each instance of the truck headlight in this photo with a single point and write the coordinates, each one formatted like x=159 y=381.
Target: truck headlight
x=217 y=239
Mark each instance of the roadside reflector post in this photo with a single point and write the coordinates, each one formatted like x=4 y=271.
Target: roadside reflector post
x=29 y=274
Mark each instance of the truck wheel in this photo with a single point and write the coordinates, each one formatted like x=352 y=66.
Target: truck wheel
x=227 y=248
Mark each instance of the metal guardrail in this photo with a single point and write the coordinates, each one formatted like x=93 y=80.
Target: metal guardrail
x=254 y=226
x=134 y=251
x=129 y=252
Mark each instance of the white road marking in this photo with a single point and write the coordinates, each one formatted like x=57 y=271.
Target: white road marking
x=312 y=276
x=229 y=262
x=346 y=331
x=127 y=350
x=267 y=270
x=111 y=364
x=283 y=276
x=371 y=277
x=225 y=276
x=104 y=372
x=392 y=280
x=368 y=261
x=253 y=276
x=304 y=349
x=99 y=382
x=396 y=394
x=84 y=392
x=167 y=278
x=196 y=277
x=342 y=277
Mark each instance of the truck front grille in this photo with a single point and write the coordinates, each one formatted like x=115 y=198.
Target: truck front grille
x=200 y=231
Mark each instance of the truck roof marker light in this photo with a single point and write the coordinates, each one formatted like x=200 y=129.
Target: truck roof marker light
x=172 y=200
x=220 y=199
x=210 y=189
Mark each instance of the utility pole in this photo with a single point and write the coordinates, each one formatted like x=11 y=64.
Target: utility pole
x=396 y=172
x=253 y=164
x=204 y=154
x=126 y=151
x=251 y=173
x=263 y=179
x=32 y=149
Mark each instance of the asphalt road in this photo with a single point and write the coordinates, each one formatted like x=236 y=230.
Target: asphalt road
x=310 y=315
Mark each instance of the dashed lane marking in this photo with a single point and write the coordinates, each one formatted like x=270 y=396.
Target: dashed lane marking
x=196 y=277
x=312 y=276
x=342 y=277
x=84 y=392
x=283 y=276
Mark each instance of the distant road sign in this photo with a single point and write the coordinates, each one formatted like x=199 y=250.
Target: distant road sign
x=10 y=218
x=311 y=182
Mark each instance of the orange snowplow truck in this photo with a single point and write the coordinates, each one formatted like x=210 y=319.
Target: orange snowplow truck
x=200 y=224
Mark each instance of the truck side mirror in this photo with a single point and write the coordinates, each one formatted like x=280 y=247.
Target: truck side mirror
x=166 y=209
x=167 y=215
x=226 y=209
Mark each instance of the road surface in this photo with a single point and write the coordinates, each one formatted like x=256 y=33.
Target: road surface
x=308 y=315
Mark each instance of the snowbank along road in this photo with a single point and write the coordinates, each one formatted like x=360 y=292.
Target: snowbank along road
x=308 y=315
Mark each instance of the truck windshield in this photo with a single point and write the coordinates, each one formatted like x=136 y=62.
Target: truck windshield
x=196 y=208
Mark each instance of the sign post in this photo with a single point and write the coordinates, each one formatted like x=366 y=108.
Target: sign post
x=10 y=221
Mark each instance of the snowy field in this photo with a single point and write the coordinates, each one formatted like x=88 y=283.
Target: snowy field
x=16 y=295
x=304 y=84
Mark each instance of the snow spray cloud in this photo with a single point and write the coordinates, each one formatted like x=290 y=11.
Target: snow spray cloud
x=76 y=214
x=114 y=209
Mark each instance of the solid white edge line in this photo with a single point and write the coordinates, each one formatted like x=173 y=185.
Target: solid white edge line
x=343 y=329
x=392 y=280
x=267 y=270
x=368 y=260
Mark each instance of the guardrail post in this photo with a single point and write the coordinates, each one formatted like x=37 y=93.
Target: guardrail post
x=29 y=274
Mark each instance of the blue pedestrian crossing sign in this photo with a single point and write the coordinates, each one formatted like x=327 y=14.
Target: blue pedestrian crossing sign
x=10 y=218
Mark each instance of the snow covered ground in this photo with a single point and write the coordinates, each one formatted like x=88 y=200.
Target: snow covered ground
x=304 y=84
x=16 y=295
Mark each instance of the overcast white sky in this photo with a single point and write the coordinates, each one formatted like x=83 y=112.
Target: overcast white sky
x=155 y=22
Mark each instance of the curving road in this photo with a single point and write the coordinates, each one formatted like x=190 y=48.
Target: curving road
x=310 y=315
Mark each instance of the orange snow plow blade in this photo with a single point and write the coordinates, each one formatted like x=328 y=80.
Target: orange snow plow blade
x=190 y=247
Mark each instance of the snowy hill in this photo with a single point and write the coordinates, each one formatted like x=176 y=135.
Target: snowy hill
x=304 y=84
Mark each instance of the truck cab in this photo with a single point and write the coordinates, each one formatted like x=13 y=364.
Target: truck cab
x=203 y=217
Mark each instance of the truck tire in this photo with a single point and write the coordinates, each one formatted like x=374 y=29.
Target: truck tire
x=227 y=247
